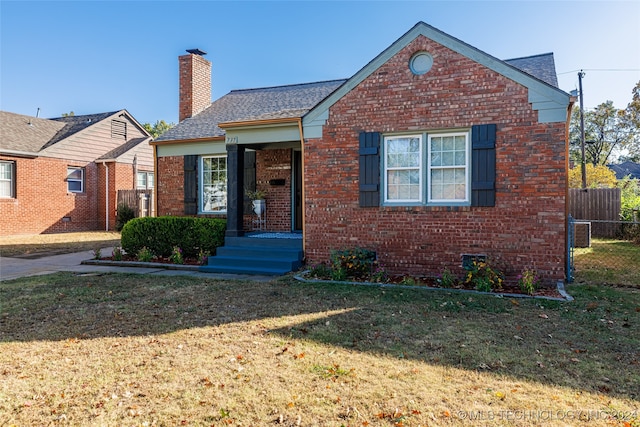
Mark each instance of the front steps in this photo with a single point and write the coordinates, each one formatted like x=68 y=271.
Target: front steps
x=270 y=256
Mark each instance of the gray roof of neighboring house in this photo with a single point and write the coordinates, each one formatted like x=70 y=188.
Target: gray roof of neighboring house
x=124 y=148
x=626 y=168
x=26 y=134
x=252 y=104
x=74 y=124
x=542 y=67
x=296 y=100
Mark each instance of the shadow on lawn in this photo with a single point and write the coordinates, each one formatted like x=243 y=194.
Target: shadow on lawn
x=589 y=344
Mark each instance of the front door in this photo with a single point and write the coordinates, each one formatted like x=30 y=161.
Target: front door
x=297 y=202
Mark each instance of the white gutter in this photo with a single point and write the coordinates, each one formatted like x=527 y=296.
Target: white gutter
x=106 y=195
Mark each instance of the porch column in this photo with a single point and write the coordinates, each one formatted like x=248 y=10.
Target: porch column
x=235 y=190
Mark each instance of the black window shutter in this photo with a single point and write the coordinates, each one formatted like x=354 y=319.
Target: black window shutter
x=369 y=169
x=483 y=165
x=249 y=178
x=190 y=185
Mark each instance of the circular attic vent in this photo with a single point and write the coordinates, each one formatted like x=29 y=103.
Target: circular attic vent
x=420 y=63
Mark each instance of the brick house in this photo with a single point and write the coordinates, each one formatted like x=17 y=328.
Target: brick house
x=63 y=174
x=433 y=151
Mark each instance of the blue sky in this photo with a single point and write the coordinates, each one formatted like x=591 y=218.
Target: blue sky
x=94 y=56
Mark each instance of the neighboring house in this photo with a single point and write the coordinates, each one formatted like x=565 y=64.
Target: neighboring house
x=63 y=174
x=627 y=168
x=433 y=151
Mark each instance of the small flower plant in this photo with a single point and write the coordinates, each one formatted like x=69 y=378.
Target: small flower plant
x=117 y=253
x=145 y=255
x=176 y=256
x=529 y=281
x=483 y=276
x=203 y=257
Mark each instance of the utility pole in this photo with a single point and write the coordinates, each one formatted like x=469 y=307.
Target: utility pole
x=584 y=166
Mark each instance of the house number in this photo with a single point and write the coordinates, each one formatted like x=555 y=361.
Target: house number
x=232 y=140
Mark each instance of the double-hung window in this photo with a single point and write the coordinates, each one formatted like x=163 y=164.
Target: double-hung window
x=448 y=168
x=144 y=181
x=7 y=179
x=403 y=168
x=75 y=180
x=427 y=169
x=213 y=184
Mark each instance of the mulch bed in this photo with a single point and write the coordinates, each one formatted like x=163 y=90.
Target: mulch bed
x=160 y=260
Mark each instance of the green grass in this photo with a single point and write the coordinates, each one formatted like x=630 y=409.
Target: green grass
x=615 y=262
x=130 y=350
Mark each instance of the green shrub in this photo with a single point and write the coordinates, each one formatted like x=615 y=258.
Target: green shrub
x=124 y=215
x=161 y=234
x=352 y=263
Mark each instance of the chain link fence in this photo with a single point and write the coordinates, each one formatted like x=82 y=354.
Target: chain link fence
x=604 y=252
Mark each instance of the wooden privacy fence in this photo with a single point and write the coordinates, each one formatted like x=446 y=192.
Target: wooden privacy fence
x=597 y=204
x=141 y=201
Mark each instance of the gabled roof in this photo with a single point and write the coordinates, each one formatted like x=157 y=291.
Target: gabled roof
x=279 y=102
x=25 y=134
x=312 y=100
x=625 y=169
x=550 y=102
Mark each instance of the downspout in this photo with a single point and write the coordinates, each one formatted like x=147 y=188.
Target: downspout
x=572 y=101
x=304 y=228
x=106 y=195
x=156 y=179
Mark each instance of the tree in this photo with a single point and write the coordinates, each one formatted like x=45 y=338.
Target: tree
x=631 y=119
x=610 y=134
x=597 y=177
x=69 y=114
x=158 y=128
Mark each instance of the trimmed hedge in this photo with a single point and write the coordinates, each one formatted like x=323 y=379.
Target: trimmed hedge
x=161 y=234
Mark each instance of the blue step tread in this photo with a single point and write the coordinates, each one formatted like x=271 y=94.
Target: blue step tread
x=245 y=270
x=233 y=261
x=260 y=252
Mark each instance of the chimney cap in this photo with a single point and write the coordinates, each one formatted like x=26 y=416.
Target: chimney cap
x=197 y=52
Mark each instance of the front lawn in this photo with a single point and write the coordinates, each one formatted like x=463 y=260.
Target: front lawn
x=140 y=350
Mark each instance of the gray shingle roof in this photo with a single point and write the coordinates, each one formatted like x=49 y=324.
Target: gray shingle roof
x=626 y=168
x=119 y=151
x=296 y=100
x=25 y=133
x=252 y=104
x=542 y=67
x=74 y=124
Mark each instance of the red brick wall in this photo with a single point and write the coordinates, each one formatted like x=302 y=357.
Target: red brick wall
x=275 y=164
x=525 y=229
x=170 y=186
x=195 y=85
x=42 y=199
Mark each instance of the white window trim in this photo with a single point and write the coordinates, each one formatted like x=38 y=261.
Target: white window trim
x=81 y=180
x=385 y=169
x=467 y=170
x=201 y=184
x=425 y=169
x=146 y=180
x=11 y=180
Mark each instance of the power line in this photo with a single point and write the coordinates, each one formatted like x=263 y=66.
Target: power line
x=602 y=69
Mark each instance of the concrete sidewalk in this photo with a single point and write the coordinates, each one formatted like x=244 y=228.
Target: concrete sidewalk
x=14 y=268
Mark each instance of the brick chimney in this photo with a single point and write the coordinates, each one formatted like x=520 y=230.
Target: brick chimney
x=195 y=83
